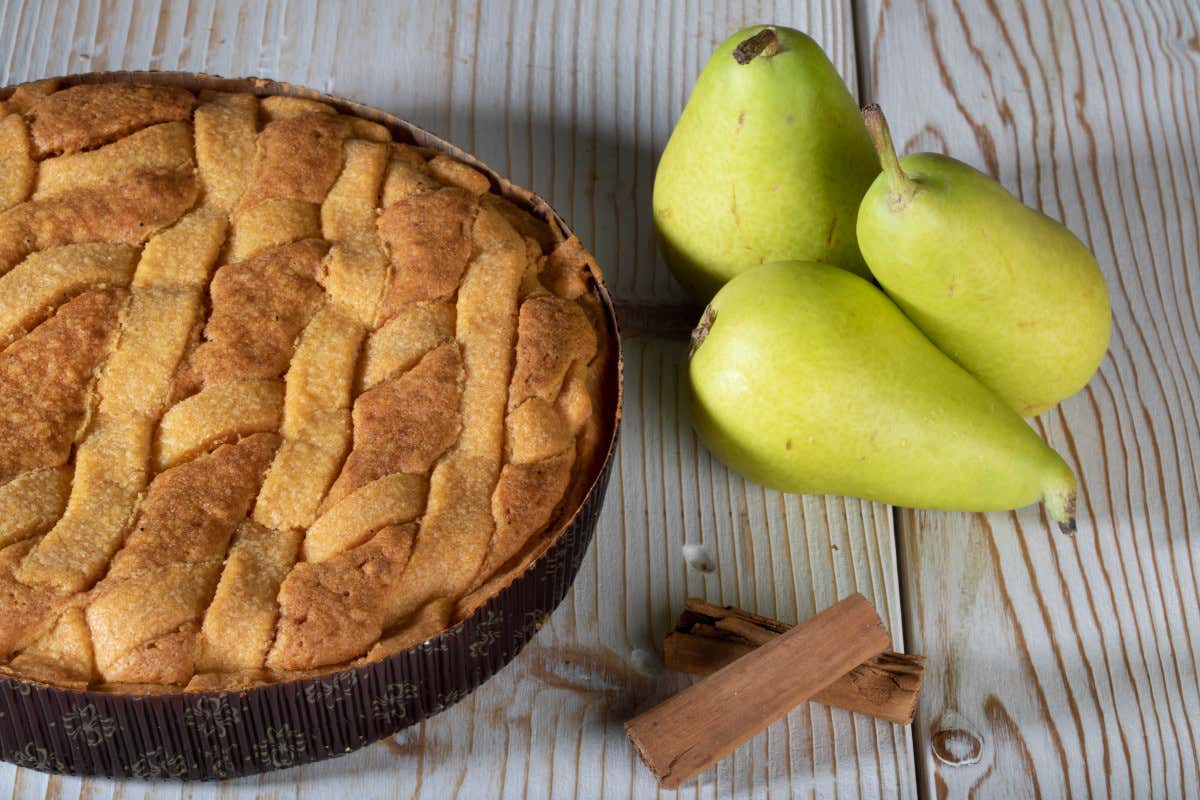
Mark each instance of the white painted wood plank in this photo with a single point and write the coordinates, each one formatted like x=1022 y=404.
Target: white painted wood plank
x=1072 y=661
x=576 y=102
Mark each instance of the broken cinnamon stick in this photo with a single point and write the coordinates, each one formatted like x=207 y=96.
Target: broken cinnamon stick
x=690 y=732
x=710 y=637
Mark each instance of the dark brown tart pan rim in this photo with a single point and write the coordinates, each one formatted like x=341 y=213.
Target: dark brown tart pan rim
x=217 y=735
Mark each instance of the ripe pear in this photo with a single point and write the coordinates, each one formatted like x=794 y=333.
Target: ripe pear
x=768 y=162
x=808 y=379
x=1006 y=291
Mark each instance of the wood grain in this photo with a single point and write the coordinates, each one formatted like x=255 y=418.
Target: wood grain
x=1069 y=663
x=574 y=100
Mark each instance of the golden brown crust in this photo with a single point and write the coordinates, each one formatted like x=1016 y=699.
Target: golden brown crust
x=313 y=391
x=174 y=554
x=127 y=210
x=27 y=95
x=166 y=146
x=29 y=611
x=259 y=307
x=553 y=334
x=63 y=656
x=525 y=223
x=405 y=424
x=85 y=116
x=428 y=622
x=298 y=158
x=428 y=236
x=32 y=502
x=190 y=511
x=239 y=625
x=453 y=172
x=524 y=502
x=406 y=175
x=226 y=127
x=335 y=610
x=567 y=269
x=45 y=380
x=18 y=171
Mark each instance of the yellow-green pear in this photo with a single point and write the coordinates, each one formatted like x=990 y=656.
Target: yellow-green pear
x=1006 y=291
x=768 y=162
x=808 y=379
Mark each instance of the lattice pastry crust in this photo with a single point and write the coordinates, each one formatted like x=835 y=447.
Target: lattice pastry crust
x=277 y=394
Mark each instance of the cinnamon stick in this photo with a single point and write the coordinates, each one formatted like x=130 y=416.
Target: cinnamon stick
x=693 y=730
x=710 y=637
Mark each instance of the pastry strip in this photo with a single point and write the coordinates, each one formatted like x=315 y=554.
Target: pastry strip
x=219 y=413
x=63 y=656
x=280 y=107
x=110 y=474
x=259 y=308
x=271 y=223
x=316 y=422
x=46 y=279
x=29 y=611
x=391 y=500
x=406 y=423
x=356 y=269
x=428 y=622
x=406 y=175
x=87 y=115
x=553 y=337
x=226 y=126
x=46 y=381
x=429 y=238
x=334 y=611
x=127 y=210
x=28 y=95
x=348 y=210
x=296 y=161
x=18 y=170
x=453 y=172
x=32 y=502
x=239 y=625
x=174 y=555
x=458 y=523
x=112 y=461
x=403 y=340
x=167 y=146
x=316 y=429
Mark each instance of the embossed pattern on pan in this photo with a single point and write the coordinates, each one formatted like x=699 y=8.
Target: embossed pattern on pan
x=216 y=734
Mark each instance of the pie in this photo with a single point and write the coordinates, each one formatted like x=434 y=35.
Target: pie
x=278 y=394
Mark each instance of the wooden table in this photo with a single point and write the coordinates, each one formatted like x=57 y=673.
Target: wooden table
x=1057 y=665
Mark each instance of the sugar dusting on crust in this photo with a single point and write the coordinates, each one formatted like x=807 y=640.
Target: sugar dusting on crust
x=382 y=285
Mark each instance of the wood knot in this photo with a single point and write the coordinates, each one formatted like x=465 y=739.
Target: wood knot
x=957 y=747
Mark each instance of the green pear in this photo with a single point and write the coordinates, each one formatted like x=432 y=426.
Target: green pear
x=768 y=162
x=808 y=379
x=1006 y=291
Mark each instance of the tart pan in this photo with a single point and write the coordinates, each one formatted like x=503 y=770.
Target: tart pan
x=216 y=735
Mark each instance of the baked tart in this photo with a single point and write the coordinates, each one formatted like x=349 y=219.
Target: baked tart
x=279 y=394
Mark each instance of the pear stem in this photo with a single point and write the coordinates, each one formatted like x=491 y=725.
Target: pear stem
x=901 y=185
x=765 y=43
x=700 y=333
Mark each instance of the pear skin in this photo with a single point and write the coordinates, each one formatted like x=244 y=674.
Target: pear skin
x=768 y=162
x=808 y=379
x=1007 y=292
